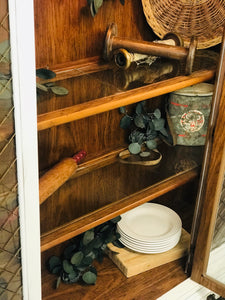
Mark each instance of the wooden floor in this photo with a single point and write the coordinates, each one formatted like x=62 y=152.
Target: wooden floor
x=113 y=285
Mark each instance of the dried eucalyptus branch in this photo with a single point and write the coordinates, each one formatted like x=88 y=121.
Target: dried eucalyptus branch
x=96 y=4
x=75 y=263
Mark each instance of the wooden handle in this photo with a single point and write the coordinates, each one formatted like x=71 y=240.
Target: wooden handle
x=58 y=175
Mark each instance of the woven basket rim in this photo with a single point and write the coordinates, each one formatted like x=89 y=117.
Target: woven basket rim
x=202 y=18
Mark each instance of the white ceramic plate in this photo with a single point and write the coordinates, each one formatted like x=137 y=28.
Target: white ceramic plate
x=149 y=244
x=149 y=250
x=150 y=222
x=159 y=242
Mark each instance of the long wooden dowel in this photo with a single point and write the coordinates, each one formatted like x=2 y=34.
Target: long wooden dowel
x=151 y=48
x=97 y=106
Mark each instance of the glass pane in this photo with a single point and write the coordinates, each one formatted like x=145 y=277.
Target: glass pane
x=216 y=264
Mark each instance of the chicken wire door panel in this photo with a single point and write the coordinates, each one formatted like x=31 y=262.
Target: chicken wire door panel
x=10 y=258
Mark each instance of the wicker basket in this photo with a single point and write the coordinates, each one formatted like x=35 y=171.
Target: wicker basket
x=201 y=18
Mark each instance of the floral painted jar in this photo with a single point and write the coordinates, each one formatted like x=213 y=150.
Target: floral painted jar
x=188 y=113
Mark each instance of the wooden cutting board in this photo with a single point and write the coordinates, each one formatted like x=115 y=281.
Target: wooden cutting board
x=132 y=263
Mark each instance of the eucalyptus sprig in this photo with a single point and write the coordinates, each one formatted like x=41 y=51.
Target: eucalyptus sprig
x=96 y=4
x=144 y=128
x=75 y=263
x=51 y=86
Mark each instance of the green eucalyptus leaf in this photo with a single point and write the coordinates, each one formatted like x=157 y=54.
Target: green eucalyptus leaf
x=151 y=135
x=151 y=125
x=116 y=219
x=74 y=276
x=118 y=244
x=89 y=277
x=151 y=144
x=91 y=254
x=67 y=267
x=159 y=124
x=134 y=148
x=110 y=238
x=144 y=154
x=105 y=227
x=87 y=260
x=93 y=270
x=77 y=258
x=90 y=1
x=117 y=235
x=125 y=122
x=95 y=7
x=49 y=84
x=139 y=121
x=88 y=248
x=42 y=87
x=164 y=132
x=59 y=90
x=57 y=269
x=137 y=137
x=81 y=268
x=157 y=113
x=98 y=3
x=68 y=251
x=88 y=237
x=122 y=2
x=98 y=243
x=99 y=256
x=122 y=110
x=139 y=108
x=53 y=262
x=45 y=73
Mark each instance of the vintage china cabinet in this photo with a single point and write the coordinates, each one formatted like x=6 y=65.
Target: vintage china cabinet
x=70 y=42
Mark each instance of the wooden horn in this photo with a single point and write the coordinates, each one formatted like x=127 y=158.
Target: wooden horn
x=113 y=42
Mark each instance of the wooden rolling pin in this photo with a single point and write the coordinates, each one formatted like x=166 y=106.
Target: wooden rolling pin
x=58 y=175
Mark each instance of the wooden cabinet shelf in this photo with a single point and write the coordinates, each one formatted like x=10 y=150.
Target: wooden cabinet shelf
x=112 y=284
x=74 y=209
x=113 y=89
x=117 y=191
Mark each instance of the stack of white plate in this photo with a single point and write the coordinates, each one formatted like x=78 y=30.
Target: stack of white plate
x=150 y=228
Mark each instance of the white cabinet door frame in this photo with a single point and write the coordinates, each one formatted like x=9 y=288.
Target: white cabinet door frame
x=21 y=18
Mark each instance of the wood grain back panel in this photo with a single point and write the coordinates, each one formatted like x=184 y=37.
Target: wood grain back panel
x=65 y=30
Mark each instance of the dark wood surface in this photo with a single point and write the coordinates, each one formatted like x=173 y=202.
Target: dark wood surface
x=112 y=284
